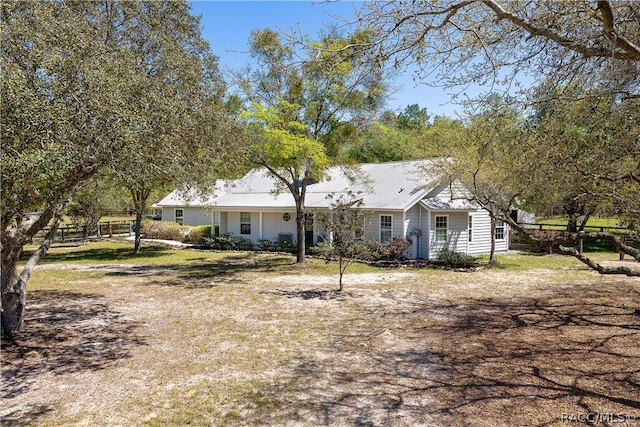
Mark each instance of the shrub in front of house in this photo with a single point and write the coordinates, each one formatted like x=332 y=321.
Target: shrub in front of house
x=197 y=234
x=228 y=242
x=452 y=259
x=395 y=249
x=164 y=230
x=266 y=245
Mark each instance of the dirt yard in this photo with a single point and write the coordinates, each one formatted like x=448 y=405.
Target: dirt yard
x=244 y=342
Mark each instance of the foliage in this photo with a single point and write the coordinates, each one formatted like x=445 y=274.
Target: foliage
x=330 y=82
x=266 y=245
x=283 y=145
x=275 y=245
x=197 y=234
x=579 y=149
x=407 y=135
x=168 y=230
x=395 y=249
x=301 y=109
x=457 y=43
x=228 y=242
x=89 y=87
x=164 y=230
x=454 y=259
x=345 y=225
x=86 y=209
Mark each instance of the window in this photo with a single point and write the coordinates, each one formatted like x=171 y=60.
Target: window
x=179 y=216
x=308 y=222
x=499 y=230
x=441 y=228
x=245 y=222
x=470 y=232
x=286 y=216
x=386 y=224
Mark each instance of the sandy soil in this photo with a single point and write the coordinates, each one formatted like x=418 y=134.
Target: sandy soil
x=139 y=345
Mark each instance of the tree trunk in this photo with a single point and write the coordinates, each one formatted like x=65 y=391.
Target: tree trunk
x=341 y=273
x=584 y=221
x=300 y=247
x=492 y=253
x=14 y=285
x=137 y=233
x=140 y=197
x=14 y=289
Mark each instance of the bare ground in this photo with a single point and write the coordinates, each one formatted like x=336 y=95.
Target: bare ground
x=209 y=346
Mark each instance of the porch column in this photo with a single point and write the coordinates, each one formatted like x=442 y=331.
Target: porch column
x=260 y=225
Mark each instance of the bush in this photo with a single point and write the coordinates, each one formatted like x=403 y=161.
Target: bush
x=164 y=230
x=266 y=245
x=228 y=242
x=197 y=234
x=453 y=259
x=395 y=249
x=285 y=246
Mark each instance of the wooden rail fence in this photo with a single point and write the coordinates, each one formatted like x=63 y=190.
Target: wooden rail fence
x=628 y=237
x=588 y=228
x=108 y=229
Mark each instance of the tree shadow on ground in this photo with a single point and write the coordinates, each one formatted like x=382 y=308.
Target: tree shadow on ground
x=305 y=294
x=102 y=255
x=230 y=269
x=65 y=332
x=487 y=361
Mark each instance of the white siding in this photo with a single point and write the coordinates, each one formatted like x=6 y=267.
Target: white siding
x=448 y=192
x=224 y=222
x=169 y=214
x=373 y=228
x=457 y=224
x=274 y=224
x=234 y=225
x=196 y=216
x=481 y=235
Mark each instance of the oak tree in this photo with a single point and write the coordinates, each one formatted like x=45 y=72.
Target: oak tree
x=594 y=46
x=305 y=101
x=70 y=82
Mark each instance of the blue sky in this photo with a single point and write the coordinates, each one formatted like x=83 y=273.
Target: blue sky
x=227 y=25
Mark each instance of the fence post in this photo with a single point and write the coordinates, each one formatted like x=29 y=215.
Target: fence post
x=62 y=230
x=622 y=239
x=110 y=230
x=580 y=246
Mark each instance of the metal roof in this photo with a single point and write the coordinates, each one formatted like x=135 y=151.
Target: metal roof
x=436 y=204
x=381 y=186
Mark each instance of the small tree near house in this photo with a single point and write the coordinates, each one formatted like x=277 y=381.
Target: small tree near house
x=345 y=225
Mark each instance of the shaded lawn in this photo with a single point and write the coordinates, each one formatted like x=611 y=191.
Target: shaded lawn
x=233 y=339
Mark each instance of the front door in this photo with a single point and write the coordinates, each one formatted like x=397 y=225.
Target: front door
x=308 y=230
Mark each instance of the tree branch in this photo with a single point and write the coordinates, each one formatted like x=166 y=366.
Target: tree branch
x=629 y=50
x=621 y=269
x=609 y=30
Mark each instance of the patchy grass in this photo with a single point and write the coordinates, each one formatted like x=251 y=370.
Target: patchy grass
x=593 y=224
x=180 y=337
